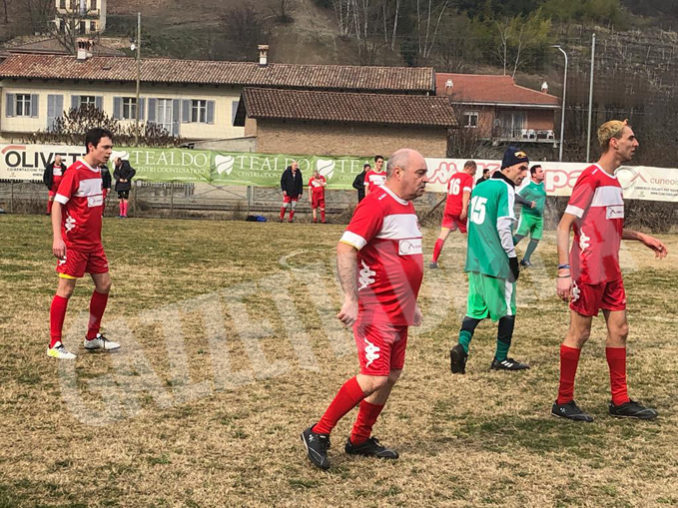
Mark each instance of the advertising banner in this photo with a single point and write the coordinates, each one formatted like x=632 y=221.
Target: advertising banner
x=27 y=162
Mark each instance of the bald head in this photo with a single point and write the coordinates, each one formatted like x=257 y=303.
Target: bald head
x=406 y=173
x=403 y=158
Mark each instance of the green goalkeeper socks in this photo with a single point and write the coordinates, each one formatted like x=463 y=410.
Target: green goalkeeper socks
x=465 y=339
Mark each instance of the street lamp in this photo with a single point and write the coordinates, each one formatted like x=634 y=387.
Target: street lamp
x=562 y=108
x=138 y=48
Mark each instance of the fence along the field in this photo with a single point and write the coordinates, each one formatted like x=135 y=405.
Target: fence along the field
x=175 y=165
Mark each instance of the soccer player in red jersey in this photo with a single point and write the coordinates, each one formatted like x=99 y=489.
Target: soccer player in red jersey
x=52 y=176
x=456 y=206
x=316 y=195
x=376 y=177
x=380 y=266
x=76 y=225
x=591 y=278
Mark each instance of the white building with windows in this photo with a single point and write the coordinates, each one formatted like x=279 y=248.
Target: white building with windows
x=196 y=100
x=89 y=16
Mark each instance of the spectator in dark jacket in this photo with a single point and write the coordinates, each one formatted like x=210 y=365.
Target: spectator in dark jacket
x=292 y=185
x=54 y=171
x=123 y=175
x=359 y=182
x=105 y=180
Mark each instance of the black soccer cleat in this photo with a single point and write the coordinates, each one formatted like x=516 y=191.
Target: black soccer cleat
x=525 y=263
x=508 y=364
x=458 y=359
x=570 y=411
x=316 y=447
x=433 y=265
x=633 y=409
x=370 y=448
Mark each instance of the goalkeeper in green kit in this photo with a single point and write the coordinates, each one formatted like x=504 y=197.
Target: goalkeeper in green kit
x=491 y=262
x=532 y=218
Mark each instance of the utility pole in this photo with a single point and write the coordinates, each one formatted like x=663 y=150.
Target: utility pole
x=588 y=131
x=136 y=129
x=562 y=107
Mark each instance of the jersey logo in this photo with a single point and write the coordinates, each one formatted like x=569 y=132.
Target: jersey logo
x=614 y=212
x=584 y=241
x=409 y=247
x=576 y=292
x=69 y=223
x=366 y=276
x=371 y=352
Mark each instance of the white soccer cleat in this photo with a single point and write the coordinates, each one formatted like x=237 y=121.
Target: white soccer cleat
x=59 y=352
x=100 y=343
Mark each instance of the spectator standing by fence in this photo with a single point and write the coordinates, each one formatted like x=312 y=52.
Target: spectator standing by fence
x=292 y=185
x=54 y=171
x=123 y=175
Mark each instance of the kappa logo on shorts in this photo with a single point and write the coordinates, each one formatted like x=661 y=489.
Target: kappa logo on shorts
x=576 y=292
x=371 y=352
x=62 y=261
x=366 y=276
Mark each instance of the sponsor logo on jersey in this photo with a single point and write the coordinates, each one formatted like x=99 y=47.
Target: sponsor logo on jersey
x=409 y=247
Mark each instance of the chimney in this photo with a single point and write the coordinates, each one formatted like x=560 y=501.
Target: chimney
x=448 y=87
x=263 y=55
x=544 y=87
x=84 y=47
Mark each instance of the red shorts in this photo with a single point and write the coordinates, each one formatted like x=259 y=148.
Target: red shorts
x=318 y=201
x=77 y=263
x=381 y=348
x=453 y=222
x=288 y=199
x=588 y=299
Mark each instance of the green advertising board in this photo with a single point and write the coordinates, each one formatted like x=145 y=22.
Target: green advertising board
x=234 y=168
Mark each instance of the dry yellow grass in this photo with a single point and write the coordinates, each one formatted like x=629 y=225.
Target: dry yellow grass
x=230 y=349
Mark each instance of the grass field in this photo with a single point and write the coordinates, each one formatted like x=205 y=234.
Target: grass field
x=230 y=349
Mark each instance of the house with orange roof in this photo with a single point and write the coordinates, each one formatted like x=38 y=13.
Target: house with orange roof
x=500 y=110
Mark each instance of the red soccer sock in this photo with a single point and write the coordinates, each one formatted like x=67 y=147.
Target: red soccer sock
x=291 y=215
x=57 y=314
x=436 y=250
x=569 y=359
x=97 y=306
x=616 y=360
x=322 y=215
x=349 y=395
x=282 y=212
x=362 y=428
x=122 y=209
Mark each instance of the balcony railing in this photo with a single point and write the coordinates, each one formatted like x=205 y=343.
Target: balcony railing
x=524 y=135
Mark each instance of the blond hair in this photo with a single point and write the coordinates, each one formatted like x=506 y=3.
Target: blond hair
x=609 y=130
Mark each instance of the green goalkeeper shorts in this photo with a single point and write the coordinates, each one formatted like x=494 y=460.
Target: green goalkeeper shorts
x=533 y=224
x=490 y=296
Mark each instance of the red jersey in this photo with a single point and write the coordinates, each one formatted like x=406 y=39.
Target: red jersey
x=57 y=170
x=82 y=198
x=598 y=204
x=374 y=180
x=317 y=185
x=458 y=183
x=385 y=230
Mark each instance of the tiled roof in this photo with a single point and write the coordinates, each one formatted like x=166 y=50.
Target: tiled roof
x=52 y=46
x=487 y=89
x=346 y=107
x=164 y=70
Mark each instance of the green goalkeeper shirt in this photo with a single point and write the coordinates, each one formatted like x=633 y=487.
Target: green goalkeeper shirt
x=490 y=218
x=534 y=192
